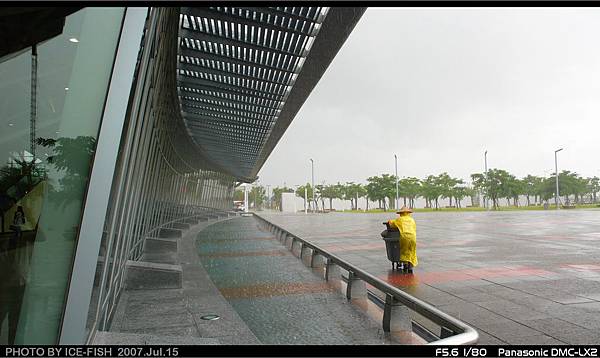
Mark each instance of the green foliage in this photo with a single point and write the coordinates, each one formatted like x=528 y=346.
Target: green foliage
x=238 y=195
x=257 y=196
x=73 y=156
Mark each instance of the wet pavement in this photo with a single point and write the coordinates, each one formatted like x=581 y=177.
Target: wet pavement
x=517 y=277
x=278 y=297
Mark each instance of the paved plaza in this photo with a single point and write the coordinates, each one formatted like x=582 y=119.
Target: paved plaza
x=517 y=277
x=278 y=297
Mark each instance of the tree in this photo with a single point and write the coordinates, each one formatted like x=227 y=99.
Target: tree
x=514 y=188
x=374 y=190
x=330 y=192
x=388 y=187
x=445 y=186
x=73 y=156
x=496 y=185
x=430 y=191
x=257 y=195
x=411 y=187
x=238 y=195
x=530 y=187
x=309 y=192
x=352 y=191
x=460 y=192
x=594 y=187
x=479 y=185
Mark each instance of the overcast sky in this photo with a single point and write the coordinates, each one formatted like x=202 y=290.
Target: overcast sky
x=440 y=86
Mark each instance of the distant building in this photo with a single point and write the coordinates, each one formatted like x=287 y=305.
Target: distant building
x=288 y=202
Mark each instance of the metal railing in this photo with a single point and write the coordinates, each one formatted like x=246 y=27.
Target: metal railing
x=452 y=330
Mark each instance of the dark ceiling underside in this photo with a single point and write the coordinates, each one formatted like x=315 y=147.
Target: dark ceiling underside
x=244 y=72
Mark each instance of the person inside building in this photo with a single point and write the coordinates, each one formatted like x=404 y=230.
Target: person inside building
x=408 y=238
x=18 y=222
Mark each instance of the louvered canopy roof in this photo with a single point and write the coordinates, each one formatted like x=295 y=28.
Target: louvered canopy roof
x=244 y=72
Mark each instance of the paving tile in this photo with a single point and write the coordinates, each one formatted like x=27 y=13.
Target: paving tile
x=564 y=331
x=486 y=338
x=279 y=298
x=551 y=269
x=536 y=340
x=507 y=330
x=150 y=320
x=188 y=330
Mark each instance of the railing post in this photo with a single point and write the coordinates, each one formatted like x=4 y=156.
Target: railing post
x=396 y=316
x=289 y=242
x=306 y=255
x=295 y=251
x=332 y=271
x=356 y=287
x=317 y=260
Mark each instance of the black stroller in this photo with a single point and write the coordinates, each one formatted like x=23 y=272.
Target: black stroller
x=391 y=236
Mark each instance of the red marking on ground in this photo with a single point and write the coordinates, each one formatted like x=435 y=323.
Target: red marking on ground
x=583 y=267
x=245 y=253
x=226 y=240
x=380 y=245
x=552 y=237
x=355 y=247
x=461 y=275
x=274 y=289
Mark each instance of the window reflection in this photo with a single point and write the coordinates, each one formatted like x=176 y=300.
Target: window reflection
x=51 y=103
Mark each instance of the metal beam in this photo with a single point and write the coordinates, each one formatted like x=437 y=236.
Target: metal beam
x=199 y=92
x=212 y=110
x=199 y=53
x=182 y=65
x=199 y=81
x=204 y=98
x=231 y=18
x=204 y=36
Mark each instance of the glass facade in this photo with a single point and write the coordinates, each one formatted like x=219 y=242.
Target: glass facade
x=154 y=185
x=158 y=168
x=52 y=100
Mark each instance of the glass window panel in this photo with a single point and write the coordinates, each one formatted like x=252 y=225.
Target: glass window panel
x=42 y=187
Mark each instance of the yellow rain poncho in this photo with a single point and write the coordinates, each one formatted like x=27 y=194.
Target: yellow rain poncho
x=408 y=237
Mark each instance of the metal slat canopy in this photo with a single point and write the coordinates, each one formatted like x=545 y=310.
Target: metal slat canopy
x=244 y=72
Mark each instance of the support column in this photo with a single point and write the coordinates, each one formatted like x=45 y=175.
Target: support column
x=396 y=316
x=295 y=245
x=306 y=255
x=289 y=242
x=332 y=272
x=317 y=260
x=356 y=289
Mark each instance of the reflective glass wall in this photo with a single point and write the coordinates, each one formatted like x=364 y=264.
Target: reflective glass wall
x=157 y=179
x=51 y=103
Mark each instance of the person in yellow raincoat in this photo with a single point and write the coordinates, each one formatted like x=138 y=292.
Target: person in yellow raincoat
x=408 y=238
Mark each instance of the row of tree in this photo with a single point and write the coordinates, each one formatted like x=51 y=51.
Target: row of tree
x=497 y=184
x=501 y=184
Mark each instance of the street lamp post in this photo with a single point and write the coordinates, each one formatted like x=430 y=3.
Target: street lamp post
x=556 y=173
x=312 y=171
x=485 y=203
x=396 y=168
x=305 y=200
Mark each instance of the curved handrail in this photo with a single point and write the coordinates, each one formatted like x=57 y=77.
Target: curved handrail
x=466 y=334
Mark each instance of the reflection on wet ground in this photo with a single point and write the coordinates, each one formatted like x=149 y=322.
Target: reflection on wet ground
x=517 y=277
x=278 y=297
